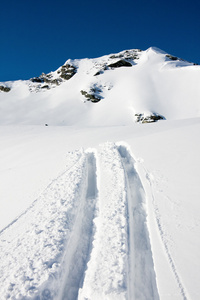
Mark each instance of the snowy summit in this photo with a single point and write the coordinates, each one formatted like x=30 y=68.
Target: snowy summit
x=136 y=84
x=99 y=180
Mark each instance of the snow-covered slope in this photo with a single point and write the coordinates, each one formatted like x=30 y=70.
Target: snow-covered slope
x=132 y=82
x=105 y=208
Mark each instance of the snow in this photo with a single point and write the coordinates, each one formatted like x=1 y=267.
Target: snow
x=103 y=208
x=48 y=222
x=153 y=84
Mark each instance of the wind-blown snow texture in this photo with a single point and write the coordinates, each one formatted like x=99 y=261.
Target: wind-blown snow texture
x=105 y=208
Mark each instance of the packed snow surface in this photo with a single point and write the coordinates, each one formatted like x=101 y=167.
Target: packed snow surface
x=104 y=208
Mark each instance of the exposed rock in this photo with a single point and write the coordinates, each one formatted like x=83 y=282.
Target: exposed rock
x=116 y=56
x=56 y=81
x=174 y=58
x=4 y=89
x=46 y=78
x=47 y=81
x=100 y=71
x=44 y=81
x=171 y=57
x=120 y=63
x=140 y=118
x=128 y=54
x=93 y=95
x=45 y=87
x=67 y=71
x=125 y=59
x=37 y=79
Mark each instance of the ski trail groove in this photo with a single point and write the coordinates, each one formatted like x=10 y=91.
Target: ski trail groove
x=32 y=247
x=181 y=287
x=141 y=281
x=105 y=277
x=79 y=245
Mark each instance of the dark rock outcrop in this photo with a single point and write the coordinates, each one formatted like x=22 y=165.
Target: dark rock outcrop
x=4 y=89
x=120 y=63
x=46 y=86
x=100 y=71
x=46 y=78
x=93 y=96
x=128 y=54
x=171 y=57
x=117 y=64
x=37 y=79
x=48 y=81
x=67 y=71
x=140 y=118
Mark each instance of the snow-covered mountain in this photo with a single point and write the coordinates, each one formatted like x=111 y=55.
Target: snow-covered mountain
x=136 y=84
x=104 y=207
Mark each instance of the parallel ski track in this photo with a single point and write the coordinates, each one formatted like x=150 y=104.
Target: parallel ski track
x=141 y=281
x=105 y=277
x=79 y=245
x=73 y=237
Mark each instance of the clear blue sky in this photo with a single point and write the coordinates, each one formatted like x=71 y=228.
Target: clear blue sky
x=39 y=36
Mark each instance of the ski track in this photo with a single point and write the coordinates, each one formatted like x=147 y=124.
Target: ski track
x=105 y=277
x=80 y=242
x=141 y=281
x=85 y=237
x=121 y=264
x=33 y=246
x=161 y=230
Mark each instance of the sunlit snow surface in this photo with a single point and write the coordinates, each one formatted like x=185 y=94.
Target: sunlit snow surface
x=154 y=84
x=102 y=212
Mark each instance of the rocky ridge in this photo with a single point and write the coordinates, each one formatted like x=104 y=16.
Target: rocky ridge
x=91 y=81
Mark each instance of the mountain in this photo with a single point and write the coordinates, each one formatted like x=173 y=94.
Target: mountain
x=141 y=85
x=105 y=206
